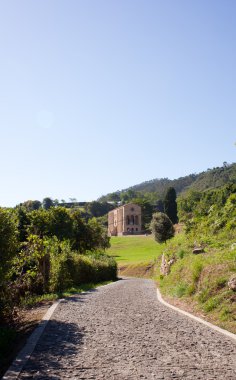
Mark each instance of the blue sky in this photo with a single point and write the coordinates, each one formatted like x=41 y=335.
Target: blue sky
x=99 y=95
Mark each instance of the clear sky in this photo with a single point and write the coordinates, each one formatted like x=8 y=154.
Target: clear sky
x=99 y=95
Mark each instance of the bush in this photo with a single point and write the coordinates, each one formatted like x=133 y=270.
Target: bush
x=69 y=268
x=162 y=227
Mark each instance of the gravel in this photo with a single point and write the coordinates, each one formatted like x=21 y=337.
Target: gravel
x=122 y=332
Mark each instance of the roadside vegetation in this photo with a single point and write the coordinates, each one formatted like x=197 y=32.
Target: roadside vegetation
x=154 y=190
x=50 y=249
x=46 y=251
x=196 y=282
x=202 y=280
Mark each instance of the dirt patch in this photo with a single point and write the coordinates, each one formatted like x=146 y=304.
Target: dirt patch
x=137 y=270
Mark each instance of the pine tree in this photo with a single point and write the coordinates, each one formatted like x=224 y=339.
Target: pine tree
x=170 y=205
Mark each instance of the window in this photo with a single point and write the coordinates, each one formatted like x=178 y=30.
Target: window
x=136 y=220
x=136 y=229
x=127 y=219
x=132 y=219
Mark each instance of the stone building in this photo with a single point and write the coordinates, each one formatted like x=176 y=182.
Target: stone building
x=125 y=220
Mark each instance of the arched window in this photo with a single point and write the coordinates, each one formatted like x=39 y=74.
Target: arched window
x=132 y=219
x=127 y=219
x=136 y=220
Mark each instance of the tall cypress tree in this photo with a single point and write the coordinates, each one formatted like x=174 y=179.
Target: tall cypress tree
x=170 y=205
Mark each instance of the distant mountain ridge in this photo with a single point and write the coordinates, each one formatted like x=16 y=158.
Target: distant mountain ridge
x=209 y=179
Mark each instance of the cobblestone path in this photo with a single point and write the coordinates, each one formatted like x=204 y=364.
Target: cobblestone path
x=122 y=332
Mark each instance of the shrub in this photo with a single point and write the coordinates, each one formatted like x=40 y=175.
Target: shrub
x=162 y=227
x=72 y=269
x=61 y=265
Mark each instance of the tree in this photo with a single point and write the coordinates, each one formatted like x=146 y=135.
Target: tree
x=8 y=241
x=47 y=203
x=73 y=200
x=31 y=205
x=147 y=211
x=23 y=223
x=160 y=205
x=162 y=227
x=170 y=205
x=98 y=208
x=60 y=223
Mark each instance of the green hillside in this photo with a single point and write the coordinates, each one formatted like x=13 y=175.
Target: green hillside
x=156 y=188
x=197 y=283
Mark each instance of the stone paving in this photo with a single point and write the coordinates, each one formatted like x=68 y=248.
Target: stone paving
x=122 y=332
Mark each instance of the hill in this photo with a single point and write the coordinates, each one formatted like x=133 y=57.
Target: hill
x=156 y=188
x=199 y=283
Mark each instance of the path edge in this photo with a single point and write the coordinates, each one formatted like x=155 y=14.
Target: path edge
x=23 y=356
x=200 y=320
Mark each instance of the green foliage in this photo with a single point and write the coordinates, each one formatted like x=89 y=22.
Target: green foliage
x=60 y=223
x=23 y=223
x=201 y=280
x=47 y=203
x=61 y=265
x=197 y=269
x=180 y=253
x=162 y=227
x=155 y=189
x=31 y=205
x=71 y=269
x=147 y=211
x=170 y=205
x=211 y=304
x=225 y=314
x=209 y=213
x=41 y=249
x=97 y=209
x=8 y=241
x=180 y=290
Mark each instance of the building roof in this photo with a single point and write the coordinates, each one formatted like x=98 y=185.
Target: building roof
x=126 y=204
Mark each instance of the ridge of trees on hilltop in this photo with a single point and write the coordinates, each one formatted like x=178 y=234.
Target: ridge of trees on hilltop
x=155 y=189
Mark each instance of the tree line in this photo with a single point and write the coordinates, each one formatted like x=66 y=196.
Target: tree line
x=47 y=249
x=155 y=189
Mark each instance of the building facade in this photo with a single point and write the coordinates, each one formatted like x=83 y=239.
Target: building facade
x=125 y=220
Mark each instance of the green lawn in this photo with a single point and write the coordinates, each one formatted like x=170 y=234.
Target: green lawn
x=134 y=249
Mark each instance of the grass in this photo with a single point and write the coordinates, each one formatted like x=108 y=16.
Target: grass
x=202 y=280
x=198 y=282
x=134 y=249
x=34 y=300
